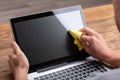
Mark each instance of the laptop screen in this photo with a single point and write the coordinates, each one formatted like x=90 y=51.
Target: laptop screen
x=44 y=37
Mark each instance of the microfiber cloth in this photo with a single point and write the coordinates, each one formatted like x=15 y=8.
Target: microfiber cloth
x=76 y=35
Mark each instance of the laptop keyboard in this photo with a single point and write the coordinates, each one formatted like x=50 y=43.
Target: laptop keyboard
x=79 y=72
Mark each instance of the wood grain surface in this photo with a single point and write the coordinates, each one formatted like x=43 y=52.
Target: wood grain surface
x=100 y=18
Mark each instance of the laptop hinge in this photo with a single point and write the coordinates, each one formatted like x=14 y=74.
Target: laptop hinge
x=52 y=67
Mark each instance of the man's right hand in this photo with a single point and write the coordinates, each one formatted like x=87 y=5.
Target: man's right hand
x=95 y=45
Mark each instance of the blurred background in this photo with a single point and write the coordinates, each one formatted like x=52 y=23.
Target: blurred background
x=14 y=8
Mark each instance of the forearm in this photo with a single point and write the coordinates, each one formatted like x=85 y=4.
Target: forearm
x=113 y=59
x=116 y=5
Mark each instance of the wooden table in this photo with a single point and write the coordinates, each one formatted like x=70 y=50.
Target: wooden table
x=100 y=18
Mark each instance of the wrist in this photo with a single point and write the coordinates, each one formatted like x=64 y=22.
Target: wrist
x=105 y=55
x=113 y=59
x=20 y=77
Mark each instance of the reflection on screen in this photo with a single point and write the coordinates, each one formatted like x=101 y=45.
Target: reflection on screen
x=71 y=20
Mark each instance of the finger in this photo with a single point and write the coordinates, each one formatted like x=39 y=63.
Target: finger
x=86 y=38
x=13 y=58
x=11 y=64
x=88 y=31
x=15 y=47
x=82 y=30
x=18 y=53
x=84 y=44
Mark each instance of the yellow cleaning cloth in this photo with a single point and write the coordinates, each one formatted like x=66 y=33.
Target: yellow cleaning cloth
x=76 y=35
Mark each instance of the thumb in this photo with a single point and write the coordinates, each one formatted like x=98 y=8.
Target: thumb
x=15 y=48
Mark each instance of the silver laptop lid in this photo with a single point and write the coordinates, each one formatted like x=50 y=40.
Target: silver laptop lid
x=44 y=37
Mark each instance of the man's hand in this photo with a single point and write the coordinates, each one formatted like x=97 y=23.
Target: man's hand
x=18 y=63
x=95 y=45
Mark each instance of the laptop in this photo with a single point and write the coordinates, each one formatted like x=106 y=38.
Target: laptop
x=50 y=49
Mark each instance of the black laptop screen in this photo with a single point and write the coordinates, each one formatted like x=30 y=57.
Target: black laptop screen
x=44 y=38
